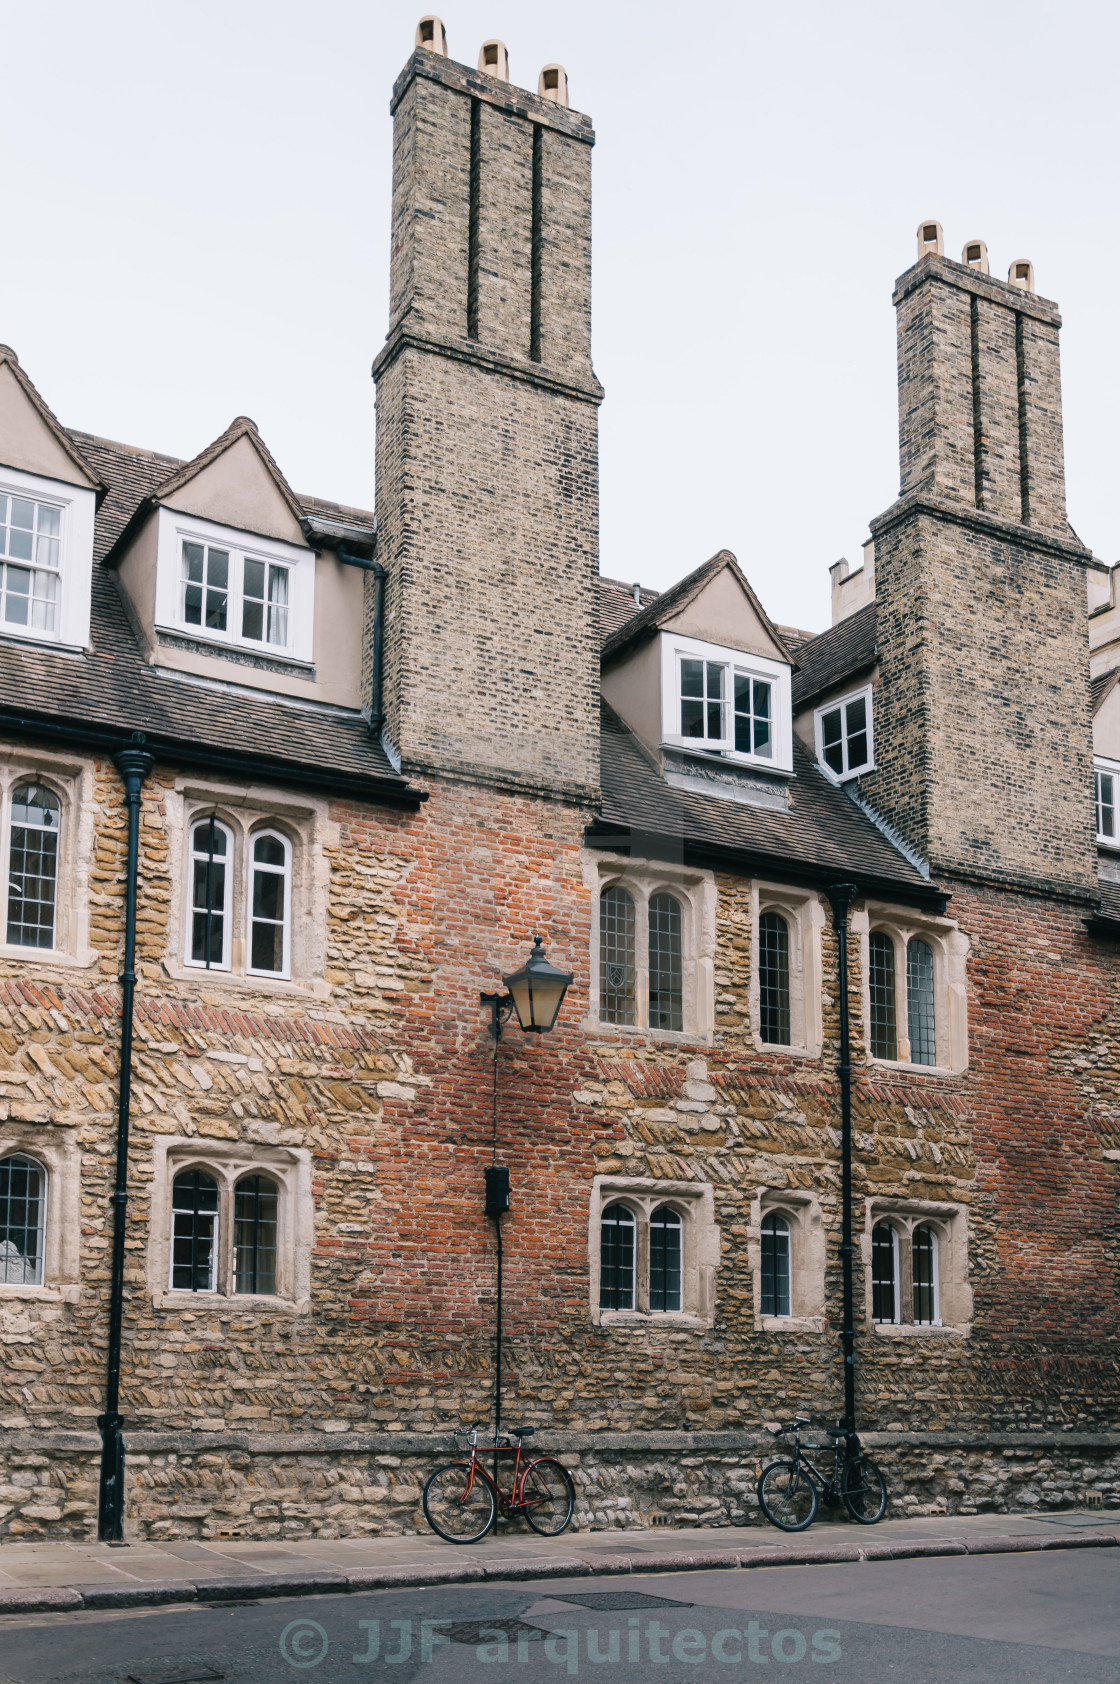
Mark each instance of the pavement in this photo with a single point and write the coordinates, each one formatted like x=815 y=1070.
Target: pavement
x=54 y=1577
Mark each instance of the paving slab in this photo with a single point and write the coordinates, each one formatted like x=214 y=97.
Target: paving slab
x=40 y=1577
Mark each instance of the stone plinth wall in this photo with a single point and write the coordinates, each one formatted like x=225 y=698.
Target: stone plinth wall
x=197 y=1486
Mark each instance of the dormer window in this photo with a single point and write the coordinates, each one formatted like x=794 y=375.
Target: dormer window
x=844 y=736
x=46 y=546
x=1108 y=778
x=726 y=702
x=223 y=588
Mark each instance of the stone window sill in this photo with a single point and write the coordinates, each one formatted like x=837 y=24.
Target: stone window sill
x=909 y=1330
x=915 y=1069
x=787 y=1052
x=317 y=989
x=67 y=1293
x=634 y=1031
x=791 y=1324
x=50 y=956
x=230 y=1302
x=638 y=1319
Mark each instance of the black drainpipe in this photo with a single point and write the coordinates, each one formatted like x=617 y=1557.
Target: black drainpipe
x=376 y=711
x=842 y=895
x=133 y=764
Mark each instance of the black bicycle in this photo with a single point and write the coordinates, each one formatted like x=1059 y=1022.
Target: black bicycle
x=787 y=1489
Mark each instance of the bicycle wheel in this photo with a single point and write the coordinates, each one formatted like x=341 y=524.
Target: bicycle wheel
x=459 y=1511
x=864 y=1490
x=547 y=1497
x=788 y=1496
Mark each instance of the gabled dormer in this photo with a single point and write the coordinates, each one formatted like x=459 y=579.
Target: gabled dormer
x=702 y=677
x=227 y=578
x=48 y=499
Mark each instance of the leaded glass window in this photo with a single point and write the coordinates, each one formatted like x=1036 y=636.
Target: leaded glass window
x=775 y=1266
x=753 y=733
x=33 y=866
x=884 y=1273
x=666 y=990
x=881 y=988
x=268 y=918
x=773 y=979
x=30 y=558
x=924 y=1255
x=255 y=1207
x=616 y=1259
x=616 y=957
x=23 y=1212
x=664 y=1260
x=194 y=1232
x=211 y=877
x=920 y=1024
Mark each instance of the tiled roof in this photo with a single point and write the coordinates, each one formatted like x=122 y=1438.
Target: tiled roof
x=112 y=689
x=840 y=652
x=821 y=834
x=617 y=605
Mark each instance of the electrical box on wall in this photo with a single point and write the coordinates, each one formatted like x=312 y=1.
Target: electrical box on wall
x=497 y=1190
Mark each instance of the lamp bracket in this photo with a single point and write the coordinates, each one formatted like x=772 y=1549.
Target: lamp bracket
x=501 y=1010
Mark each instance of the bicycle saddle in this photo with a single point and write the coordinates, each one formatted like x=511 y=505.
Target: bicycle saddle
x=522 y=1432
x=837 y=1432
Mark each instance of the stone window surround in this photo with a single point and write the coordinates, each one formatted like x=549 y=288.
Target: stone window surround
x=696 y=891
x=866 y=692
x=227 y=1161
x=304 y=821
x=58 y=1151
x=949 y=1223
x=778 y=674
x=78 y=506
x=72 y=781
x=802 y=1211
x=694 y=1203
x=805 y=915
x=174 y=528
x=950 y=947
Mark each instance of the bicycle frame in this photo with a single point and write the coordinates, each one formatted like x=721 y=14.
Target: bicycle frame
x=830 y=1488
x=512 y=1501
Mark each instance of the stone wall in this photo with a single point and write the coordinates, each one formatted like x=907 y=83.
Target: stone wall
x=218 y=1486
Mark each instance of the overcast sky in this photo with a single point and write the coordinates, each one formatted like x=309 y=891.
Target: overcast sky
x=197 y=226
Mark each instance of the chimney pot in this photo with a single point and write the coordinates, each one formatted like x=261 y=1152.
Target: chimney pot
x=553 y=84
x=431 y=35
x=975 y=256
x=930 y=238
x=493 y=60
x=1021 y=274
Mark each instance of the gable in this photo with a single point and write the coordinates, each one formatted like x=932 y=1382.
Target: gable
x=1106 y=726
x=721 y=612
x=27 y=442
x=237 y=489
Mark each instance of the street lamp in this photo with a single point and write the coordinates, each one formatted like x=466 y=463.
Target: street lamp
x=536 y=993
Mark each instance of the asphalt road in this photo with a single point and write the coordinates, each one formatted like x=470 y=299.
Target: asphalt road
x=1023 y=1619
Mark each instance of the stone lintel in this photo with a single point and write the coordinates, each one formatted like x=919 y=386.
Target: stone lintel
x=934 y=268
x=519 y=102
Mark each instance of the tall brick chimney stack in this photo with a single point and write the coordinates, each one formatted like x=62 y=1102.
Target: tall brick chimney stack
x=487 y=432
x=983 y=732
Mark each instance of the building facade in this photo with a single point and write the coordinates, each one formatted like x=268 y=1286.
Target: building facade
x=381 y=751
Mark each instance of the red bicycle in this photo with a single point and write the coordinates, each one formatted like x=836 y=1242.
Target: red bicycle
x=462 y=1500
